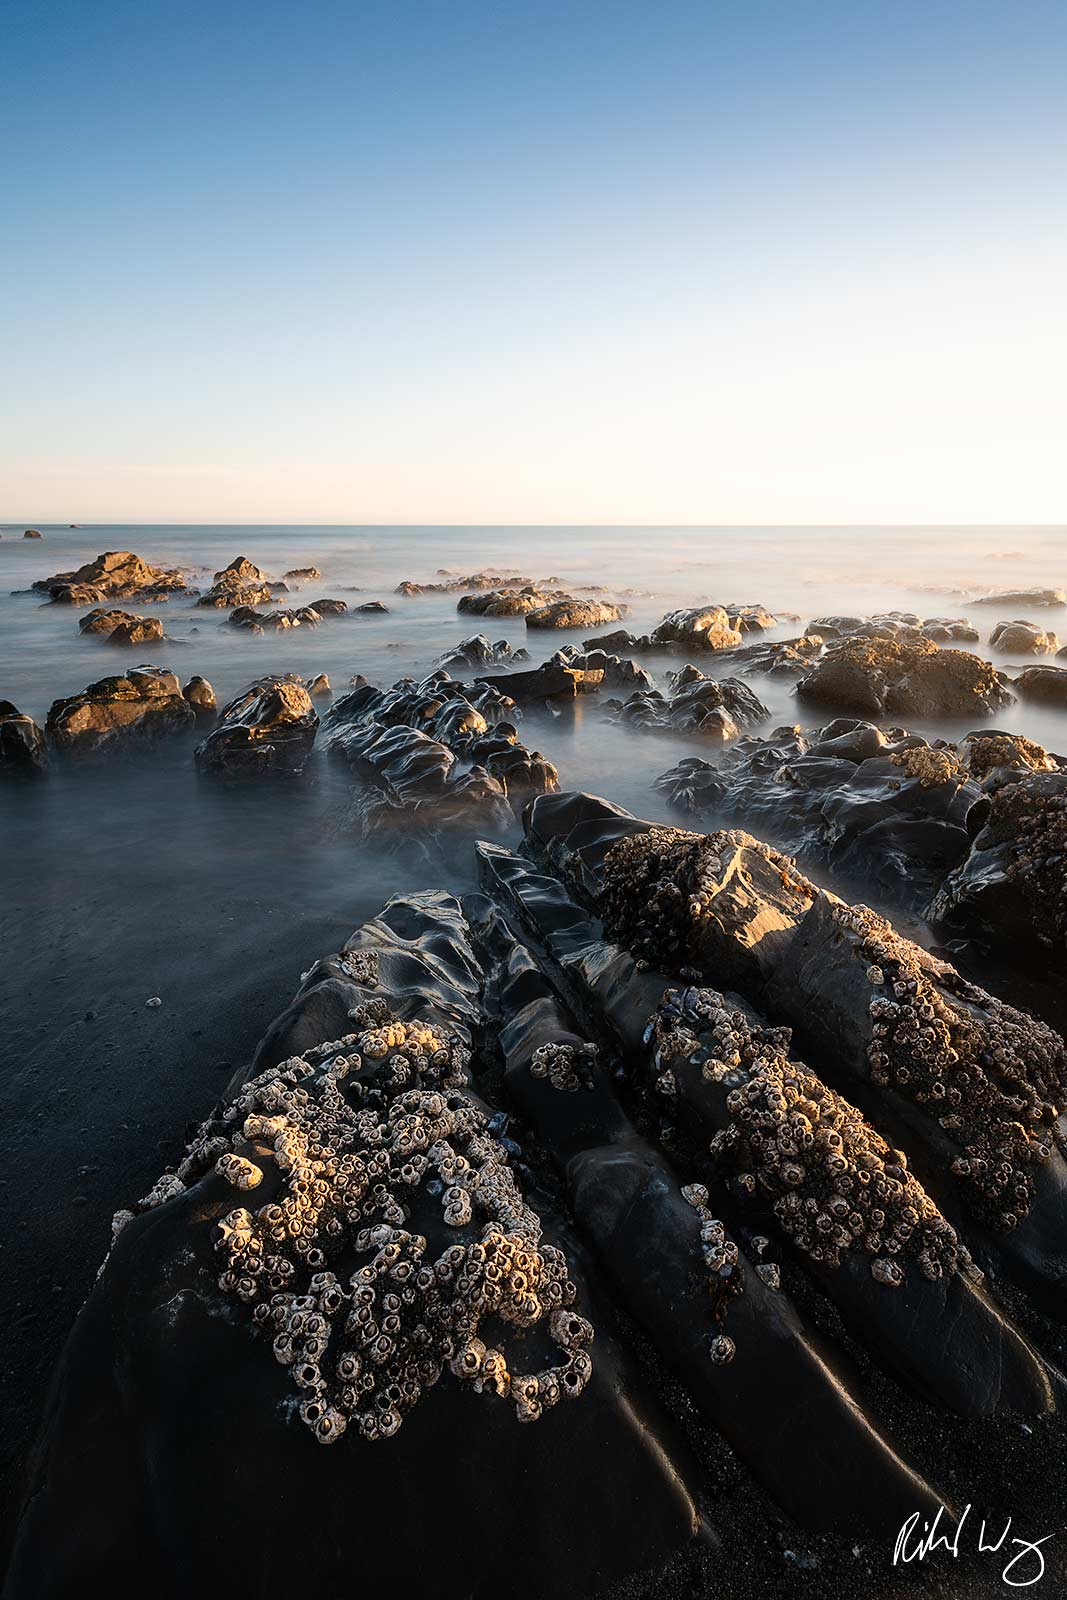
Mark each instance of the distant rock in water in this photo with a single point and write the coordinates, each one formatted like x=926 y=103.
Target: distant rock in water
x=115 y=575
x=901 y=625
x=303 y=574
x=319 y=686
x=22 y=744
x=329 y=608
x=32 y=533
x=117 y=713
x=261 y=621
x=201 y=696
x=715 y=708
x=879 y=677
x=601 y=668
x=477 y=651
x=1023 y=597
x=572 y=613
x=242 y=583
x=1023 y=639
x=512 y=601
x=450 y=582
x=373 y=608
x=268 y=728
x=121 y=627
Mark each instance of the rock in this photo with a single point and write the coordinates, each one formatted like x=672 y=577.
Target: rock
x=782 y=658
x=451 y=582
x=548 y=682
x=1023 y=638
x=201 y=696
x=268 y=728
x=700 y=628
x=161 y=1338
x=571 y=613
x=230 y=594
x=477 y=651
x=142 y=705
x=318 y=686
x=31 y=533
x=137 y=630
x=716 y=708
x=303 y=574
x=1023 y=597
x=1045 y=683
x=876 y=677
x=513 y=602
x=259 y=621
x=602 y=669
x=115 y=575
x=373 y=608
x=241 y=570
x=330 y=608
x=22 y=745
x=902 y=625
x=104 y=620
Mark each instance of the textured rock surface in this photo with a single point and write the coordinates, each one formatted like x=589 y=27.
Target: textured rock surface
x=144 y=704
x=22 y=744
x=115 y=575
x=240 y=584
x=121 y=627
x=571 y=613
x=882 y=677
x=901 y=625
x=1045 y=683
x=201 y=696
x=479 y=651
x=716 y=708
x=268 y=728
x=1023 y=639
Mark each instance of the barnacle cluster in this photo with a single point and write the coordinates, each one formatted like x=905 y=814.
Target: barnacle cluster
x=722 y=1259
x=658 y=884
x=991 y=1075
x=361 y=966
x=1031 y=817
x=566 y=1064
x=833 y=1182
x=985 y=751
x=373 y=1136
x=930 y=765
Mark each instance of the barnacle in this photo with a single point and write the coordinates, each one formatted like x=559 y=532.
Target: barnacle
x=565 y=1064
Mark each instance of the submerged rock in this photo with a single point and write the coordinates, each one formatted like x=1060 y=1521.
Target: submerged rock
x=22 y=744
x=373 y=608
x=115 y=575
x=779 y=658
x=32 y=533
x=450 y=582
x=268 y=728
x=879 y=677
x=329 y=608
x=303 y=574
x=144 y=704
x=319 y=685
x=1023 y=638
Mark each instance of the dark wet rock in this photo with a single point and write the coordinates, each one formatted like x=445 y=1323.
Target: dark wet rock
x=437 y=749
x=144 y=704
x=268 y=728
x=1023 y=639
x=32 y=533
x=274 y=621
x=479 y=651
x=551 y=681
x=1023 y=597
x=201 y=696
x=699 y=628
x=1012 y=885
x=1045 y=683
x=166 y=1332
x=780 y=658
x=571 y=613
x=607 y=671
x=902 y=625
x=228 y=595
x=716 y=708
x=23 y=752
x=115 y=575
x=515 y=601
x=329 y=608
x=879 y=677
x=617 y=643
x=373 y=608
x=876 y=805
x=136 y=630
x=303 y=574
x=451 y=582
x=319 y=685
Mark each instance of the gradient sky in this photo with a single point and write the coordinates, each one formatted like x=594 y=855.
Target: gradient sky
x=534 y=262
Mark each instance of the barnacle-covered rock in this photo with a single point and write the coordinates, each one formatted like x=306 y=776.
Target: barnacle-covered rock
x=876 y=677
x=115 y=575
x=23 y=753
x=143 y=704
x=269 y=727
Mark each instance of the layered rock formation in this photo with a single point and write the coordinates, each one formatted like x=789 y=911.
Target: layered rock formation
x=115 y=575
x=716 y=708
x=115 y=713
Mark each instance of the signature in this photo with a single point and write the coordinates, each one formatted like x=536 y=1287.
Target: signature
x=1023 y=1568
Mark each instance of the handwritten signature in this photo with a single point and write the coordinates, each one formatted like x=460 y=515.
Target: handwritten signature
x=913 y=1545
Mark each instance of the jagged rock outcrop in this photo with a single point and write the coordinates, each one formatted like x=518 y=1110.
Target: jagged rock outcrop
x=700 y=628
x=479 y=651
x=716 y=708
x=252 y=621
x=303 y=574
x=601 y=668
x=240 y=584
x=115 y=575
x=115 y=713
x=23 y=753
x=268 y=728
x=514 y=601
x=884 y=677
x=1023 y=639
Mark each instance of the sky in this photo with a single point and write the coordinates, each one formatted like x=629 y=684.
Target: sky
x=765 y=262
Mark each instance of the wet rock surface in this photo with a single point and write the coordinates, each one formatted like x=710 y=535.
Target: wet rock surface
x=23 y=753
x=121 y=712
x=115 y=575
x=240 y=584
x=480 y=651
x=571 y=613
x=201 y=696
x=902 y=625
x=1023 y=638
x=883 y=677
x=1045 y=683
x=269 y=728
x=715 y=708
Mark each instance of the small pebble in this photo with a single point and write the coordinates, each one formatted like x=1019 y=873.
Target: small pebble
x=155 y=1001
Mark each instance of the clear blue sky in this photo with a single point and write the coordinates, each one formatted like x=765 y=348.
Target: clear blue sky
x=534 y=262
